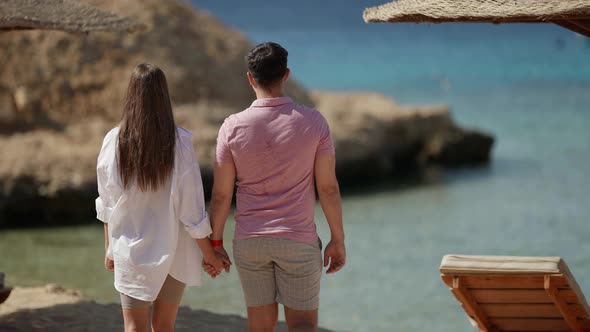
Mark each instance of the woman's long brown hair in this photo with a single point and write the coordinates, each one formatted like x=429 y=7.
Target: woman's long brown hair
x=147 y=135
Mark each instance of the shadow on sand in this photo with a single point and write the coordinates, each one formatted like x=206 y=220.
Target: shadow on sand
x=90 y=316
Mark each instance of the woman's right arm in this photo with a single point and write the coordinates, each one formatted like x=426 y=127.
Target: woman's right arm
x=211 y=258
x=192 y=213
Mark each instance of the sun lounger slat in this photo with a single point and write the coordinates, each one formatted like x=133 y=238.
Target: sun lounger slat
x=519 y=296
x=570 y=296
x=504 y=281
x=464 y=296
x=522 y=310
x=585 y=325
x=524 y=324
x=511 y=296
x=560 y=302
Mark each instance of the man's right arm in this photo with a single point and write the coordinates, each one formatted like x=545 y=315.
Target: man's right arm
x=329 y=195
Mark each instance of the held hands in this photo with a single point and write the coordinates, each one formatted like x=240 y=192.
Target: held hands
x=218 y=262
x=213 y=265
x=109 y=264
x=335 y=256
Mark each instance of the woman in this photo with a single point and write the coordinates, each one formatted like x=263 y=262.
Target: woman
x=149 y=185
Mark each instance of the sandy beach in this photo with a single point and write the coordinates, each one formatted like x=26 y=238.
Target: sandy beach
x=52 y=308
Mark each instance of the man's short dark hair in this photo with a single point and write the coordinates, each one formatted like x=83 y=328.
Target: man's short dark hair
x=267 y=63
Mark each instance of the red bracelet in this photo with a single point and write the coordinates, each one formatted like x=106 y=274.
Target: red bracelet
x=217 y=243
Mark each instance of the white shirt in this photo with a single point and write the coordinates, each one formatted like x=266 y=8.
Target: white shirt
x=146 y=241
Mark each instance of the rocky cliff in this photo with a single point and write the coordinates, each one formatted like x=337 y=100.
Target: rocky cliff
x=51 y=79
x=60 y=93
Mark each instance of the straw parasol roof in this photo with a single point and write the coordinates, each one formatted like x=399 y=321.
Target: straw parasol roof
x=571 y=14
x=67 y=15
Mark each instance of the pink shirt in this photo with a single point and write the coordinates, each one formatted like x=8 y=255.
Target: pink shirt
x=273 y=145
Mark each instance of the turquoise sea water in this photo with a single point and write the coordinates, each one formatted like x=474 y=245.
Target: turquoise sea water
x=527 y=84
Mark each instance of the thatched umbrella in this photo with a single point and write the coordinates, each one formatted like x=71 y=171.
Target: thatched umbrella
x=571 y=14
x=66 y=15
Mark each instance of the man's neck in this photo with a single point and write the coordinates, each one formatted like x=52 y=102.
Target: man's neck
x=265 y=94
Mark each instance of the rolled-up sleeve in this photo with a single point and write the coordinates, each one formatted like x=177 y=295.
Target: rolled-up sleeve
x=108 y=189
x=222 y=151
x=191 y=202
x=105 y=202
x=325 y=143
x=102 y=212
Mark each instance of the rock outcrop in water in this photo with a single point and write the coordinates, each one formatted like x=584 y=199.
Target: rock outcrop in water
x=375 y=137
x=60 y=93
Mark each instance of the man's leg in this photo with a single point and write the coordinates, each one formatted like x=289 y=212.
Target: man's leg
x=299 y=270
x=263 y=318
x=257 y=276
x=301 y=320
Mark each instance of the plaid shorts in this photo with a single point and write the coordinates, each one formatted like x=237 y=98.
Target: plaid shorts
x=274 y=270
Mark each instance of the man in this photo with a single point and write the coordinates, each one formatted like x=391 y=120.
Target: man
x=276 y=149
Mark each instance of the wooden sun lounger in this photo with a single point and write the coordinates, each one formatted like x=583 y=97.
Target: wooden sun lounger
x=507 y=293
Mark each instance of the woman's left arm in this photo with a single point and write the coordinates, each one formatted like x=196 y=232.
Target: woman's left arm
x=107 y=191
x=109 y=264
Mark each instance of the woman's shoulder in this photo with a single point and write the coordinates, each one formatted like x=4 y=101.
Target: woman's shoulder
x=184 y=137
x=184 y=133
x=184 y=142
x=111 y=135
x=106 y=157
x=110 y=138
x=185 y=150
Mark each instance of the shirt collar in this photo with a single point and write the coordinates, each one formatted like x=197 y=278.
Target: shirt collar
x=270 y=102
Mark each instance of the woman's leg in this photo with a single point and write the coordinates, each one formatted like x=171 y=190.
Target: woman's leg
x=136 y=320
x=164 y=316
x=166 y=305
x=136 y=314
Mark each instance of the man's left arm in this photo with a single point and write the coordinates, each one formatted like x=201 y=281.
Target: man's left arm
x=223 y=190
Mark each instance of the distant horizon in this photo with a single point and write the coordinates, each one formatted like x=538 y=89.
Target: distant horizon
x=332 y=48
